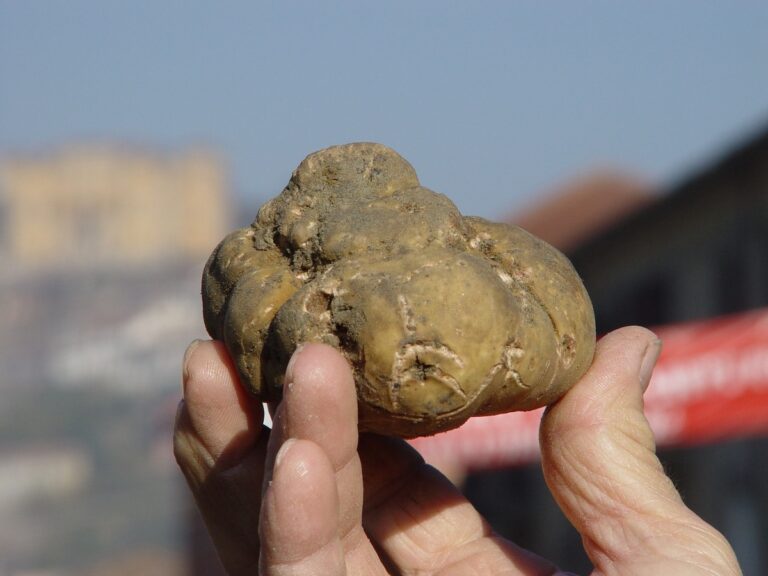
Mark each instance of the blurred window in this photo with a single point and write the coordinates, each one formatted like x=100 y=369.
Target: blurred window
x=88 y=221
x=743 y=274
x=732 y=279
x=647 y=303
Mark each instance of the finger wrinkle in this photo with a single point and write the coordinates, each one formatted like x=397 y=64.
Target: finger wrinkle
x=617 y=520
x=426 y=522
x=688 y=538
x=599 y=467
x=354 y=538
x=192 y=457
x=205 y=375
x=206 y=362
x=595 y=413
x=488 y=556
x=349 y=486
x=388 y=490
x=362 y=558
x=197 y=461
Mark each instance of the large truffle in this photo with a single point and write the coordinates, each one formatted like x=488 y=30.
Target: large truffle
x=441 y=316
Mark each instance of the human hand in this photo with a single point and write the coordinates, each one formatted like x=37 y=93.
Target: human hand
x=313 y=497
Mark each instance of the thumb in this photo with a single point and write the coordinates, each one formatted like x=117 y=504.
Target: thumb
x=599 y=460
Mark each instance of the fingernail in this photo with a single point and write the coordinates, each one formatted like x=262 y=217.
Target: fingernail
x=649 y=362
x=289 y=369
x=284 y=450
x=187 y=355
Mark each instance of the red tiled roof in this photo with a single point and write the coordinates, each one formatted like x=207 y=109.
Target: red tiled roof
x=582 y=208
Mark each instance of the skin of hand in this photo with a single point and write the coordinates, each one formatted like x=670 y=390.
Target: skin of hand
x=314 y=497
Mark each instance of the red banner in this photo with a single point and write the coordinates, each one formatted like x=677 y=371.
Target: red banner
x=710 y=383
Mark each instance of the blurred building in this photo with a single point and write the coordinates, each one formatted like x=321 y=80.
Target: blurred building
x=584 y=207
x=94 y=206
x=145 y=562
x=699 y=250
x=103 y=248
x=42 y=473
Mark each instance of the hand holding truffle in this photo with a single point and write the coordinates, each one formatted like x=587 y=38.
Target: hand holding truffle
x=312 y=497
x=441 y=316
x=417 y=318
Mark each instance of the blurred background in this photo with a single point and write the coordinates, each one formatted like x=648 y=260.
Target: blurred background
x=134 y=136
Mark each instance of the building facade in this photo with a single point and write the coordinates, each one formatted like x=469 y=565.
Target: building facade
x=101 y=206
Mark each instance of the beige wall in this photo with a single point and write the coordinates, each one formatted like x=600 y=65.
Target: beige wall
x=103 y=205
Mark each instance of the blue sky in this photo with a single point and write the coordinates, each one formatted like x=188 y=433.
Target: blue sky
x=492 y=102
